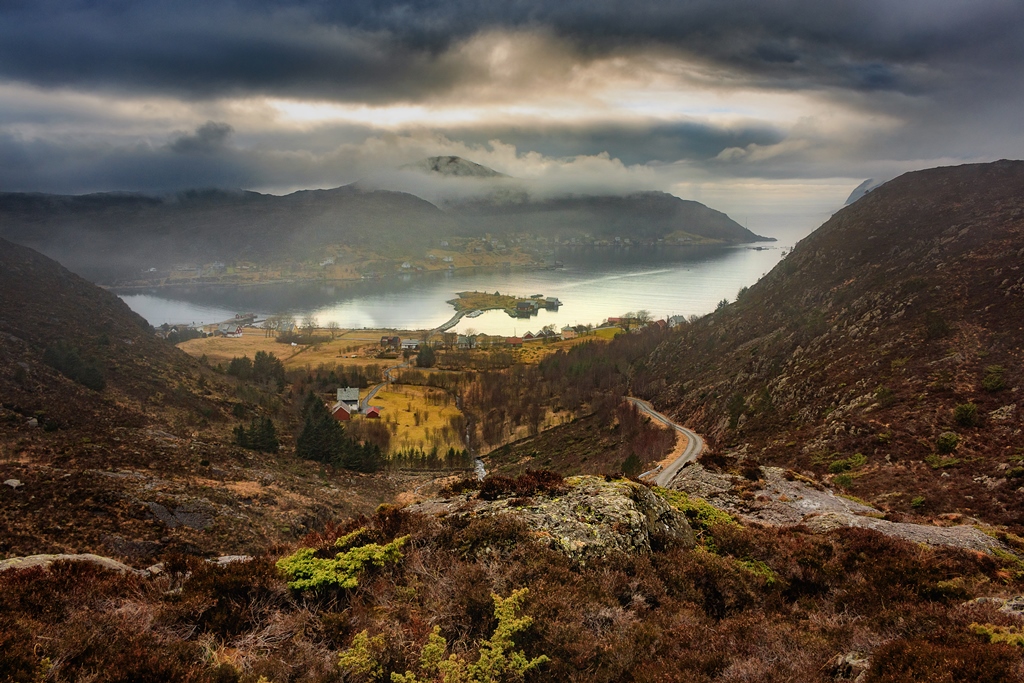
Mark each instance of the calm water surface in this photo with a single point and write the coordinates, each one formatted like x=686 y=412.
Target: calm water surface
x=593 y=285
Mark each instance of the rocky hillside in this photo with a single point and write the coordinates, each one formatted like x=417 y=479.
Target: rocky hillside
x=883 y=355
x=113 y=441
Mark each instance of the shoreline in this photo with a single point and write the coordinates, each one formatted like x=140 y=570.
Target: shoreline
x=344 y=282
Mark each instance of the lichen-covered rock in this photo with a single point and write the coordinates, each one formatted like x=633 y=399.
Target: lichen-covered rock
x=592 y=517
x=45 y=561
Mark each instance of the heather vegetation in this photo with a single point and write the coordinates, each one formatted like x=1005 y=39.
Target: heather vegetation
x=398 y=594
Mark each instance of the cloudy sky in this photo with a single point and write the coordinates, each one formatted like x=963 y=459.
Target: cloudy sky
x=756 y=107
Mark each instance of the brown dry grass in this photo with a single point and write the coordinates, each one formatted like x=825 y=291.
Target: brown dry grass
x=349 y=347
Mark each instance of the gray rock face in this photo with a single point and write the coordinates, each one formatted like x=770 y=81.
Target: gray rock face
x=592 y=518
x=779 y=501
x=13 y=483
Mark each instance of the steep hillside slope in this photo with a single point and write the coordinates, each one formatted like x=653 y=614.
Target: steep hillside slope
x=118 y=443
x=883 y=354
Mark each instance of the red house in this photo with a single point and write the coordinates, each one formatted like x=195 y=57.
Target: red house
x=373 y=413
x=341 y=412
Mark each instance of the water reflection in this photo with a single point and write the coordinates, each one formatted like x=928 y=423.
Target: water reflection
x=593 y=285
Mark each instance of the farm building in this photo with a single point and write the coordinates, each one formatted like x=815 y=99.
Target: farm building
x=341 y=411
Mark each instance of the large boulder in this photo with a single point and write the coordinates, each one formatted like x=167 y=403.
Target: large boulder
x=590 y=517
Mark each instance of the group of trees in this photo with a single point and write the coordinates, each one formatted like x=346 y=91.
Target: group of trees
x=261 y=435
x=323 y=439
x=434 y=459
x=68 y=361
x=265 y=368
x=589 y=378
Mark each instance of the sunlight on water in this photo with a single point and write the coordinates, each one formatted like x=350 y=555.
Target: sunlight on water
x=592 y=287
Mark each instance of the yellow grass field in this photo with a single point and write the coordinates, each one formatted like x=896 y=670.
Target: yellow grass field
x=401 y=403
x=355 y=347
x=535 y=352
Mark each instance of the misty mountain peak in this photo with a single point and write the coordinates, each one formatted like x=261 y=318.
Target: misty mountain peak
x=453 y=167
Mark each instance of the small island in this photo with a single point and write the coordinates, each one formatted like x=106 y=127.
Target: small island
x=471 y=304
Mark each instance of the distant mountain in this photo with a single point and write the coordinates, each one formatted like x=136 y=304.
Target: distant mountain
x=644 y=215
x=453 y=167
x=510 y=205
x=109 y=237
x=894 y=332
x=105 y=236
x=862 y=190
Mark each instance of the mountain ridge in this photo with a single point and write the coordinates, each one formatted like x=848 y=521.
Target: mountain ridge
x=895 y=323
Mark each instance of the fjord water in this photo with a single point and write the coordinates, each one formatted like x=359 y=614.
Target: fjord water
x=593 y=285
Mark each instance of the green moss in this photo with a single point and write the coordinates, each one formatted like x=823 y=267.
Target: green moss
x=1011 y=635
x=306 y=571
x=701 y=514
x=759 y=568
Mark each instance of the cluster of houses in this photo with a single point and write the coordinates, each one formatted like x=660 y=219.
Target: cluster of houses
x=527 y=308
x=348 y=405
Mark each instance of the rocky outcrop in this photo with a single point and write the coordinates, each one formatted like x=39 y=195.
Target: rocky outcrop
x=45 y=561
x=591 y=517
x=780 y=499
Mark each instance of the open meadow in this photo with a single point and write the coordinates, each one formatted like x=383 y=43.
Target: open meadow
x=348 y=347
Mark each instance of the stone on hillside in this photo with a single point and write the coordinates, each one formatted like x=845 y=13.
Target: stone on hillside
x=593 y=517
x=45 y=561
x=13 y=483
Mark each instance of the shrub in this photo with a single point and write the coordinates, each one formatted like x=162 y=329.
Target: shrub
x=426 y=358
x=917 y=502
x=529 y=483
x=846 y=464
x=993 y=379
x=938 y=462
x=306 y=571
x=631 y=466
x=947 y=442
x=965 y=414
x=736 y=407
x=844 y=481
x=919 y=660
x=495 y=662
x=935 y=325
x=885 y=396
x=66 y=360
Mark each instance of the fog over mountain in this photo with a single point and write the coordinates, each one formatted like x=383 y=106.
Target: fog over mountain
x=737 y=105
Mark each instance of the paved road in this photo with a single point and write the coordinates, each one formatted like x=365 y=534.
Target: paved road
x=694 y=444
x=387 y=378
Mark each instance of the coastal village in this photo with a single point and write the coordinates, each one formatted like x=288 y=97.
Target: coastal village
x=408 y=365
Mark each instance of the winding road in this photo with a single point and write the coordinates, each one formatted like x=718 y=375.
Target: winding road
x=387 y=378
x=694 y=444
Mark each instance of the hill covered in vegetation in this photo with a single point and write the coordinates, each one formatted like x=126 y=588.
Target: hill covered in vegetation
x=882 y=356
x=112 y=237
x=116 y=442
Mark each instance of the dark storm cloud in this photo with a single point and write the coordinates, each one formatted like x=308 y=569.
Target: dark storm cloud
x=372 y=50
x=208 y=138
